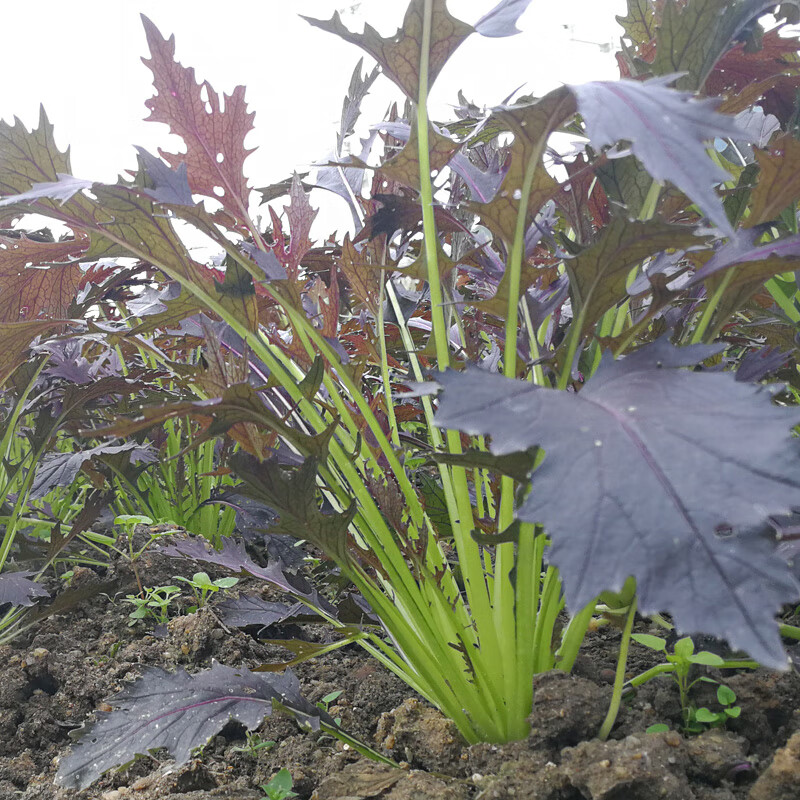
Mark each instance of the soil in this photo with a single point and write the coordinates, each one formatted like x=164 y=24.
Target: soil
x=56 y=675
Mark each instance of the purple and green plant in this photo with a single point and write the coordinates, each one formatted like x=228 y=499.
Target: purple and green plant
x=569 y=326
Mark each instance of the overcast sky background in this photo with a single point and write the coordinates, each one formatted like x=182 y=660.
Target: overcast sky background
x=82 y=61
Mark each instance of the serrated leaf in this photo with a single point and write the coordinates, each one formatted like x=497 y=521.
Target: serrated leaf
x=757 y=364
x=214 y=138
x=239 y=292
x=234 y=557
x=18 y=589
x=28 y=288
x=667 y=131
x=362 y=276
x=626 y=182
x=531 y=124
x=767 y=76
x=432 y=497
x=400 y=55
x=179 y=712
x=312 y=380
x=170 y=186
x=239 y=403
x=403 y=168
x=482 y=184
x=692 y=37
x=60 y=190
x=642 y=468
x=754 y=262
x=247 y=611
x=351 y=106
x=778 y=183
x=599 y=274
x=293 y=495
x=267 y=262
x=31 y=157
x=17 y=338
x=60 y=469
x=301 y=216
x=639 y=22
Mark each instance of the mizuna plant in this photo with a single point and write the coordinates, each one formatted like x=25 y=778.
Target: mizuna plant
x=479 y=242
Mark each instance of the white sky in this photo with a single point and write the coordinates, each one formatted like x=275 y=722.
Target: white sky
x=82 y=60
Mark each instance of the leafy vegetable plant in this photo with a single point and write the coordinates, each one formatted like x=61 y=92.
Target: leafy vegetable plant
x=515 y=388
x=202 y=587
x=279 y=787
x=255 y=744
x=679 y=664
x=153 y=603
x=180 y=490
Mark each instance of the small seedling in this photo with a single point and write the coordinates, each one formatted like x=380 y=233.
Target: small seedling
x=280 y=787
x=726 y=697
x=254 y=744
x=129 y=523
x=325 y=703
x=154 y=603
x=679 y=664
x=202 y=586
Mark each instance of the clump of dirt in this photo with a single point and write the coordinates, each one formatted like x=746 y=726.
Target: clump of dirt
x=64 y=669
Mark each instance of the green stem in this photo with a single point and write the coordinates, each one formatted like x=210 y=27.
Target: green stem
x=789 y=631
x=439 y=329
x=572 y=637
x=619 y=678
x=385 y=378
x=711 y=306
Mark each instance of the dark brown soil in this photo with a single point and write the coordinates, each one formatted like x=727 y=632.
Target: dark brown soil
x=54 y=677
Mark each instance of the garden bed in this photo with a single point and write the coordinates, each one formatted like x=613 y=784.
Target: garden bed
x=53 y=679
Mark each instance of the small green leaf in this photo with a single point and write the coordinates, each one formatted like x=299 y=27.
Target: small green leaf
x=659 y=727
x=733 y=712
x=725 y=695
x=684 y=647
x=132 y=519
x=709 y=659
x=329 y=698
x=280 y=786
x=704 y=715
x=653 y=642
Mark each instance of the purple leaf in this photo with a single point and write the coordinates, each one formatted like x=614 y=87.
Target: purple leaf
x=179 y=712
x=171 y=185
x=667 y=131
x=63 y=189
x=244 y=612
x=233 y=557
x=759 y=126
x=351 y=107
x=152 y=301
x=17 y=588
x=645 y=469
x=502 y=19
x=60 y=469
x=741 y=249
x=267 y=260
x=757 y=364
x=483 y=186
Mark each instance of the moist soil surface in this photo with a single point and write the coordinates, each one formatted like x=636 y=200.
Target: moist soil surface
x=56 y=675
